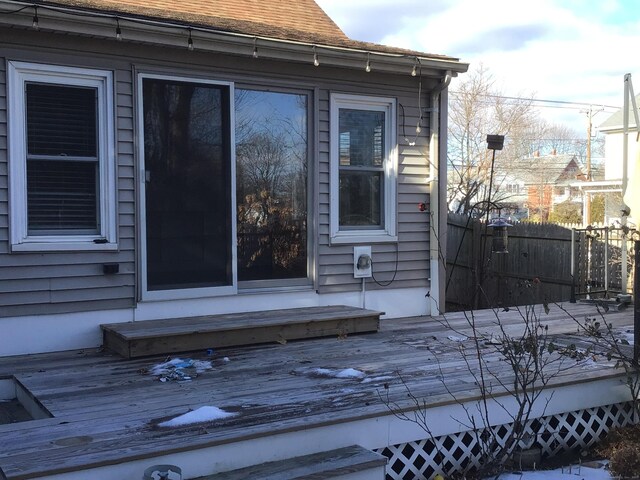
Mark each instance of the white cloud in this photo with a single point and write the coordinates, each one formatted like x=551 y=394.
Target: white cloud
x=566 y=50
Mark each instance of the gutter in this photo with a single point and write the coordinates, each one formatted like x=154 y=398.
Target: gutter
x=144 y=30
x=437 y=195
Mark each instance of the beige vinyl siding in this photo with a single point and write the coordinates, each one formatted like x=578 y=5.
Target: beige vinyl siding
x=39 y=283
x=335 y=269
x=59 y=282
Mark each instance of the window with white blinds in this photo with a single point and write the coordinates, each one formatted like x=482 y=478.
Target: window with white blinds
x=363 y=169
x=62 y=159
x=61 y=152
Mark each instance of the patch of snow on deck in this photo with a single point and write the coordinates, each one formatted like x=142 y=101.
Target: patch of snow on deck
x=382 y=378
x=345 y=373
x=200 y=415
x=574 y=472
x=455 y=338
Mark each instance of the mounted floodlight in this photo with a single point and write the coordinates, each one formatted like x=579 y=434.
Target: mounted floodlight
x=500 y=238
x=495 y=142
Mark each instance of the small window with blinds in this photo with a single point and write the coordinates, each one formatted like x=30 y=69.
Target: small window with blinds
x=62 y=159
x=363 y=169
x=61 y=154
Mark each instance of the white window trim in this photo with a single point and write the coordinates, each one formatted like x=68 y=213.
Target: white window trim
x=17 y=74
x=184 y=293
x=388 y=233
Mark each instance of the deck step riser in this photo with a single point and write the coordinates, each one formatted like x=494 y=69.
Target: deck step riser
x=167 y=336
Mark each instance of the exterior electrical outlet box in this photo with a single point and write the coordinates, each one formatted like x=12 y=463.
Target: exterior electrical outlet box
x=362 y=262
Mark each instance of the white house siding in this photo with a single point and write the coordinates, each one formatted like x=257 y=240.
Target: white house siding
x=613 y=146
x=49 y=283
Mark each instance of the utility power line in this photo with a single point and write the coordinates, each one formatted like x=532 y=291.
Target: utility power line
x=552 y=103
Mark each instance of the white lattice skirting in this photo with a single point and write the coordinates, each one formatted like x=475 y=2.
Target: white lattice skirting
x=461 y=451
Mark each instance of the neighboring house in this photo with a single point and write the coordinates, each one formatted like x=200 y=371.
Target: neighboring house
x=613 y=130
x=532 y=187
x=168 y=159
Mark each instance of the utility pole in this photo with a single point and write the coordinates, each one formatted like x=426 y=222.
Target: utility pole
x=587 y=204
x=586 y=217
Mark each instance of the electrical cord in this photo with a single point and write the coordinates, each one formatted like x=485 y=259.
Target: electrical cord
x=386 y=284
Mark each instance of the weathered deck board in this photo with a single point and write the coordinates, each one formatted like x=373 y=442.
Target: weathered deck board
x=318 y=466
x=155 y=337
x=106 y=408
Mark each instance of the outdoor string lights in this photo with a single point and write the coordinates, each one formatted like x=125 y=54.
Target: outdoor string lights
x=190 y=41
x=35 y=23
x=415 y=70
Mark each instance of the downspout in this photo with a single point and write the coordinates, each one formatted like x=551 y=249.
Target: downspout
x=437 y=196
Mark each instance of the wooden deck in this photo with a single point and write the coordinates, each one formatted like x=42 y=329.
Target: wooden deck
x=159 y=337
x=106 y=410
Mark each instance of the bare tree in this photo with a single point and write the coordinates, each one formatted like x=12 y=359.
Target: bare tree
x=477 y=108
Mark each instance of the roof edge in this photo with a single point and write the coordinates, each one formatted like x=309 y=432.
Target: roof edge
x=176 y=34
x=328 y=44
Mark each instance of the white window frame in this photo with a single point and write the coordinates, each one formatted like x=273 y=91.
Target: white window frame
x=18 y=74
x=185 y=293
x=388 y=231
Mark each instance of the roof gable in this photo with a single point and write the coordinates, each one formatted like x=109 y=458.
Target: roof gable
x=547 y=169
x=614 y=122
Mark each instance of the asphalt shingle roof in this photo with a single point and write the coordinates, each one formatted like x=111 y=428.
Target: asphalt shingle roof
x=293 y=20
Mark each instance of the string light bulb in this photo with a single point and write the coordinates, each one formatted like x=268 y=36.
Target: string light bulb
x=36 y=23
x=414 y=70
x=118 y=30
x=316 y=62
x=418 y=127
x=190 y=42
x=367 y=68
x=255 y=47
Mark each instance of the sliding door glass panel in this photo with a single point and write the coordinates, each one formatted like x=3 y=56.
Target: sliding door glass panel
x=187 y=185
x=271 y=184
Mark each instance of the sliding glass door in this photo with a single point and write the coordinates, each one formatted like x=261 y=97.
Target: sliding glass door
x=272 y=187
x=225 y=190
x=188 y=179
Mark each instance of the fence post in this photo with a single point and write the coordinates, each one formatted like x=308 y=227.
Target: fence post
x=636 y=303
x=573 y=266
x=606 y=262
x=476 y=247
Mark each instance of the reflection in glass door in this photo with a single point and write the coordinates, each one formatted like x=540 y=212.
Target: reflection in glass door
x=187 y=159
x=272 y=190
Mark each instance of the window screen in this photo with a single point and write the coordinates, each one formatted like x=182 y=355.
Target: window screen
x=361 y=147
x=62 y=159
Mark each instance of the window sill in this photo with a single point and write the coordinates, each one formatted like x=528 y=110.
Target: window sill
x=358 y=237
x=63 y=247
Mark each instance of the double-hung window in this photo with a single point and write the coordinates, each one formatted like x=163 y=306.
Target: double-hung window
x=61 y=161
x=363 y=169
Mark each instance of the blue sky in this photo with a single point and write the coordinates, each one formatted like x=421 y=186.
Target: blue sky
x=565 y=50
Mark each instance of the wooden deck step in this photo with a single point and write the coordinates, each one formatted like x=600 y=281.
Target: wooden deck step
x=348 y=463
x=155 y=337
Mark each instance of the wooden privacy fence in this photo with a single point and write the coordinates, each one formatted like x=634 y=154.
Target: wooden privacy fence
x=536 y=269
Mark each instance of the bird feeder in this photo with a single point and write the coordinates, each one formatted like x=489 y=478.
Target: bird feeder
x=500 y=237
